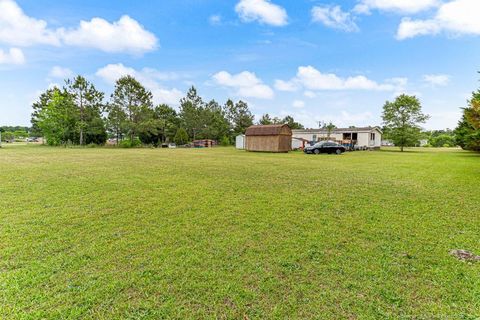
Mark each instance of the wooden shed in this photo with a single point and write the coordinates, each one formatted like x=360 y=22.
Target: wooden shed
x=269 y=138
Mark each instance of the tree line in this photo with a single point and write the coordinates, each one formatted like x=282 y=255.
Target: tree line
x=12 y=133
x=78 y=114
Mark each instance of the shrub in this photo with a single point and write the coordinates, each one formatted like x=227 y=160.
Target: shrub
x=225 y=141
x=443 y=140
x=181 y=137
x=130 y=143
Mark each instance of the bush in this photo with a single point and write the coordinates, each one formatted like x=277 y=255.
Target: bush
x=99 y=138
x=150 y=139
x=443 y=140
x=181 y=137
x=130 y=143
x=225 y=141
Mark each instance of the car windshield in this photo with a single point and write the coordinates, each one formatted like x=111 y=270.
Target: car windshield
x=319 y=144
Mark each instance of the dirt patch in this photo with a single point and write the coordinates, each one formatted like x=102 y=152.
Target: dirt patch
x=465 y=255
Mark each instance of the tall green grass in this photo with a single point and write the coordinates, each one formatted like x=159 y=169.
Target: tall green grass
x=218 y=233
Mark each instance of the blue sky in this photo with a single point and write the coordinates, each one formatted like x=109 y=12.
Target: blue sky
x=316 y=60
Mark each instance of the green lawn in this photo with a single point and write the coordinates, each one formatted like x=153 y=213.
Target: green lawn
x=193 y=234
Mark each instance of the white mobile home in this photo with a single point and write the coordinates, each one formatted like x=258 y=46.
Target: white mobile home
x=367 y=137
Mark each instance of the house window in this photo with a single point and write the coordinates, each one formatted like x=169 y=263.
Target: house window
x=315 y=137
x=372 y=136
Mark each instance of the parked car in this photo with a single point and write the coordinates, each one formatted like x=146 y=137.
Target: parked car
x=172 y=145
x=32 y=140
x=325 y=147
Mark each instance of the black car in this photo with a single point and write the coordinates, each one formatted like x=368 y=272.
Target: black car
x=325 y=147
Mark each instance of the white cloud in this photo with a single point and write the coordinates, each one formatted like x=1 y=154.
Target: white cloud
x=298 y=104
x=245 y=83
x=12 y=56
x=60 y=73
x=460 y=16
x=112 y=72
x=124 y=35
x=18 y=29
x=400 y=6
x=167 y=96
x=215 y=20
x=310 y=94
x=262 y=11
x=436 y=80
x=282 y=85
x=148 y=77
x=456 y=17
x=398 y=82
x=411 y=28
x=313 y=80
x=334 y=17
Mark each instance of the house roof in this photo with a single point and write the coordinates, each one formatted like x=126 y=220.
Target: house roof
x=267 y=130
x=340 y=130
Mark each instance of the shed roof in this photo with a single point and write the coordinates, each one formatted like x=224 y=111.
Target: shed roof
x=267 y=130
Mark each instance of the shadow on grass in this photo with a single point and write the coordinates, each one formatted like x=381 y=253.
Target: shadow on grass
x=469 y=154
x=404 y=151
x=456 y=151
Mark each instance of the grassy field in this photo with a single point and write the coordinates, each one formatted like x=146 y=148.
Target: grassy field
x=193 y=234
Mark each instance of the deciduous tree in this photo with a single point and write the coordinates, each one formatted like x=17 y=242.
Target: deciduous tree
x=57 y=120
x=402 y=118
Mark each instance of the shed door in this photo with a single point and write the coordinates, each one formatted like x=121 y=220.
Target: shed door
x=372 y=140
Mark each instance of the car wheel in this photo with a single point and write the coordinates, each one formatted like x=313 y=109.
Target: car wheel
x=316 y=151
x=338 y=151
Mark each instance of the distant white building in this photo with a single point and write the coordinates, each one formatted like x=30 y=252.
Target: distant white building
x=240 y=142
x=387 y=143
x=367 y=137
x=423 y=142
